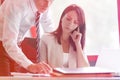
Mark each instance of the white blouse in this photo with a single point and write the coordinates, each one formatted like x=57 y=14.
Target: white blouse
x=65 y=59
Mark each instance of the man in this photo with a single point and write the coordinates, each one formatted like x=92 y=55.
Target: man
x=16 y=17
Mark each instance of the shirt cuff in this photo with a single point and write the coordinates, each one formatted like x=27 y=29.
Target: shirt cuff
x=26 y=63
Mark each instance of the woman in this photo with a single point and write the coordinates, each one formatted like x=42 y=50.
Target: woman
x=64 y=47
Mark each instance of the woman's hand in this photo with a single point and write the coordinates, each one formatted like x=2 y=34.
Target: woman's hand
x=41 y=68
x=76 y=36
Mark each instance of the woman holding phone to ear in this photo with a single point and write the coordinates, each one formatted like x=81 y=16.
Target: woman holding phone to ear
x=64 y=47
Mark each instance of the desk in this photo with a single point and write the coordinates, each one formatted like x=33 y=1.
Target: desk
x=59 y=78
x=52 y=77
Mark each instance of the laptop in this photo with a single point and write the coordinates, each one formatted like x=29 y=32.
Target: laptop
x=84 y=70
x=109 y=58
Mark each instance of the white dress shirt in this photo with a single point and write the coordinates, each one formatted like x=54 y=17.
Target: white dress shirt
x=16 y=18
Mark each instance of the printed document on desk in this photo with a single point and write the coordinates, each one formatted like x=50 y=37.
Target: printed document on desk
x=16 y=74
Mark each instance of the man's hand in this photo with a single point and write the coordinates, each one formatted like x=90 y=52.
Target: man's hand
x=41 y=67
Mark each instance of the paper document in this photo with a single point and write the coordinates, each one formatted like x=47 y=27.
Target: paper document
x=29 y=74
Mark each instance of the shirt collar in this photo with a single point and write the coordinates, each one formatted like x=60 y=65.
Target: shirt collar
x=33 y=7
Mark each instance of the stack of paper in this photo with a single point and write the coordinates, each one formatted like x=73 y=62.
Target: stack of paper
x=29 y=74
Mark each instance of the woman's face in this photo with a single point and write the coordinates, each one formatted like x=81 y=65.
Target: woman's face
x=42 y=5
x=69 y=22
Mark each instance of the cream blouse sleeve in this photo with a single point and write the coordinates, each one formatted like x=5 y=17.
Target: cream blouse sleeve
x=43 y=52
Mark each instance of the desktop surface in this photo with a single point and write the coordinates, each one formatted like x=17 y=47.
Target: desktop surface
x=61 y=76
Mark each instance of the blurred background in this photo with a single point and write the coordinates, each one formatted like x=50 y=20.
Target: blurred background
x=101 y=22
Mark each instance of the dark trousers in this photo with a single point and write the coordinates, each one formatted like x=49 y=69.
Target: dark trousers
x=5 y=62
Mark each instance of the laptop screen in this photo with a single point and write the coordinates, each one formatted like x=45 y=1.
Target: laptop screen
x=109 y=58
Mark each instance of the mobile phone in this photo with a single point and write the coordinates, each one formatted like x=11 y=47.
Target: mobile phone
x=77 y=29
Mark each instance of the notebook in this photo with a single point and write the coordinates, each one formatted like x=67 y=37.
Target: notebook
x=109 y=58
